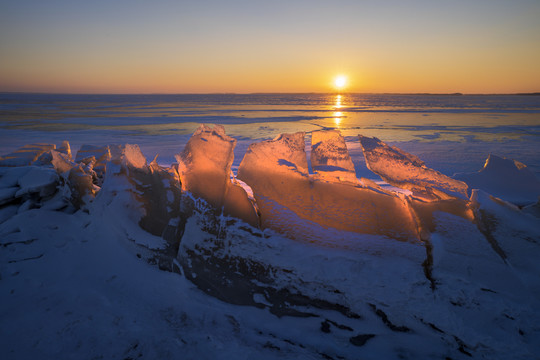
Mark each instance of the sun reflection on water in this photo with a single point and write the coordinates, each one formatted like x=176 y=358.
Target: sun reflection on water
x=338 y=114
x=338 y=102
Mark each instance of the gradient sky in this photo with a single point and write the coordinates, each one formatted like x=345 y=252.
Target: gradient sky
x=483 y=46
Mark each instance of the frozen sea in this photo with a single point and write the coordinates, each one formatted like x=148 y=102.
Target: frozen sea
x=451 y=133
x=84 y=284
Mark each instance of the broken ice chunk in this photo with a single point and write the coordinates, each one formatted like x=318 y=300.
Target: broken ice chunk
x=25 y=155
x=285 y=154
x=205 y=163
x=65 y=149
x=330 y=158
x=407 y=171
x=158 y=190
x=302 y=207
x=38 y=180
x=81 y=186
x=102 y=154
x=238 y=203
x=61 y=161
x=204 y=167
x=128 y=154
x=504 y=178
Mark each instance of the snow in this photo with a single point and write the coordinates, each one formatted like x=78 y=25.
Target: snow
x=516 y=234
x=10 y=175
x=37 y=180
x=327 y=275
x=6 y=194
x=507 y=179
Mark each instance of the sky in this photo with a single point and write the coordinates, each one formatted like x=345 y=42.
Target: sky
x=207 y=46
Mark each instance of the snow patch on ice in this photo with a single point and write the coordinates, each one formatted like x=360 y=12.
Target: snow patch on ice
x=507 y=179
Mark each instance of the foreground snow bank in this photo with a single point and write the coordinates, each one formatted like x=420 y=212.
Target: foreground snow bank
x=80 y=278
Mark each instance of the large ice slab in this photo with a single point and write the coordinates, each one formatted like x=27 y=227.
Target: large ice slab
x=205 y=163
x=304 y=208
x=407 y=171
x=330 y=158
x=504 y=178
x=204 y=167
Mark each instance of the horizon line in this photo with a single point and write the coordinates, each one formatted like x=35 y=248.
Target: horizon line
x=534 y=93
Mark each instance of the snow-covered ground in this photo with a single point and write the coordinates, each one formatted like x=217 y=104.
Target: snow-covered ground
x=93 y=282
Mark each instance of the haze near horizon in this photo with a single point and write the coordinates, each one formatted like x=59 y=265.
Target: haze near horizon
x=293 y=46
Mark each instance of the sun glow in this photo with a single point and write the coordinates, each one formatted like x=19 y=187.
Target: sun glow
x=340 y=82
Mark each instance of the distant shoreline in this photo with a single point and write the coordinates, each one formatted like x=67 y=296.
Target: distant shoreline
x=269 y=93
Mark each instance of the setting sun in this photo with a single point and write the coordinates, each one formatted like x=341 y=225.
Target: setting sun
x=340 y=82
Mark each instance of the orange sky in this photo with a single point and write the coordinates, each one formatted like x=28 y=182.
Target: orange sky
x=250 y=46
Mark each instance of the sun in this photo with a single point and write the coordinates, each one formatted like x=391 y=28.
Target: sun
x=340 y=81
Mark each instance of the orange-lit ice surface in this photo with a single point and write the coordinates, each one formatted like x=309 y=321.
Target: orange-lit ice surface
x=307 y=207
x=274 y=189
x=407 y=171
x=204 y=167
x=26 y=155
x=330 y=159
x=431 y=190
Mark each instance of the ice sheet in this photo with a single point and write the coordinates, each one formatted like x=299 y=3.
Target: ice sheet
x=407 y=171
x=330 y=158
x=290 y=201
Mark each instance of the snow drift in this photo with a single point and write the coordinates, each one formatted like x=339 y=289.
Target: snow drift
x=506 y=179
